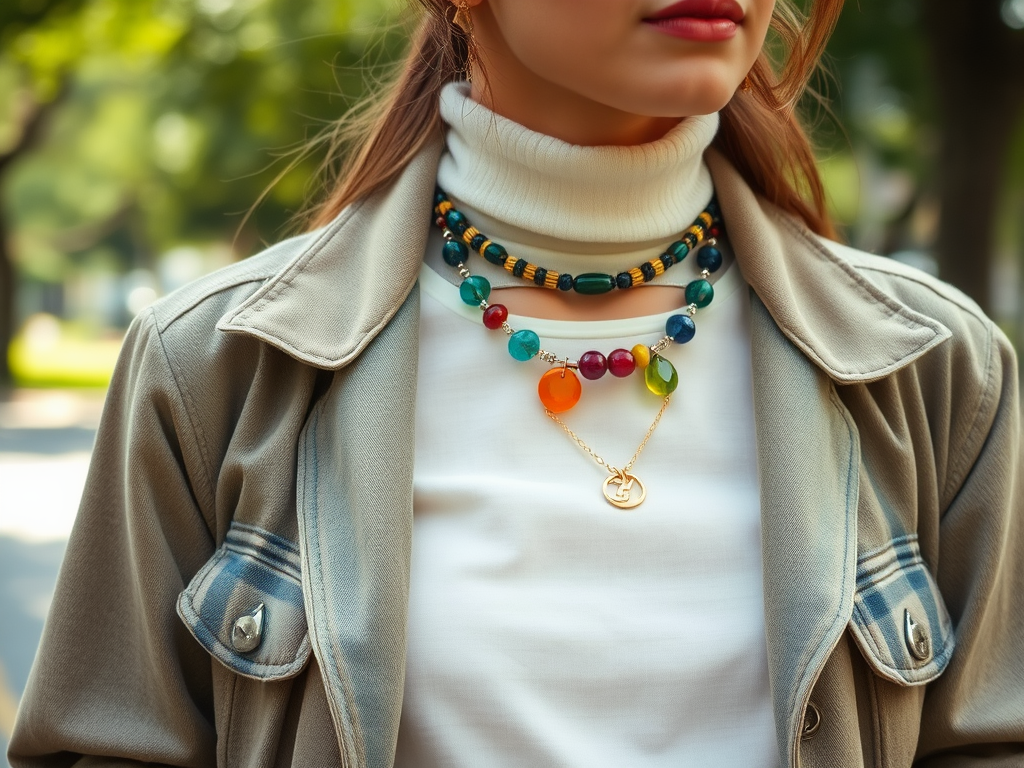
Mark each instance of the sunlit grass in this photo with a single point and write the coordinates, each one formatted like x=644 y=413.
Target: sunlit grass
x=48 y=353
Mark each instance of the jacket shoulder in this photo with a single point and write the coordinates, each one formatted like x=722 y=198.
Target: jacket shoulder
x=917 y=289
x=205 y=300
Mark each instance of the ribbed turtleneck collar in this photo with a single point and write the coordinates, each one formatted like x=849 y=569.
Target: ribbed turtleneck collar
x=540 y=184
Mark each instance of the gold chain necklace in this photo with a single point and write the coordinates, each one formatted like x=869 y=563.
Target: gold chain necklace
x=619 y=485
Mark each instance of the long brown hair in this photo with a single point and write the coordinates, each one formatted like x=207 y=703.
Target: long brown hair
x=760 y=130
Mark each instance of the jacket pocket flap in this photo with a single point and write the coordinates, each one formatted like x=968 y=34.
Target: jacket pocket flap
x=245 y=605
x=899 y=620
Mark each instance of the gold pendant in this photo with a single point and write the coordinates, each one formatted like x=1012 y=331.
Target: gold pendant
x=619 y=490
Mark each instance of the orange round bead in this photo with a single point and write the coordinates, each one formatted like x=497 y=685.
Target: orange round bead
x=559 y=390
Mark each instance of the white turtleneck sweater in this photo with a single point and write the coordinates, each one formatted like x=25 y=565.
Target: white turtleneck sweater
x=546 y=627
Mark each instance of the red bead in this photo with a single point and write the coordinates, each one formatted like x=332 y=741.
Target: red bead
x=441 y=222
x=715 y=231
x=593 y=365
x=495 y=315
x=621 y=363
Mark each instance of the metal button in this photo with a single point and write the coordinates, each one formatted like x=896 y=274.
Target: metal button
x=916 y=637
x=248 y=631
x=812 y=721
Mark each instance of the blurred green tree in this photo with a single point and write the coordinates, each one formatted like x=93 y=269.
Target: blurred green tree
x=167 y=119
x=937 y=89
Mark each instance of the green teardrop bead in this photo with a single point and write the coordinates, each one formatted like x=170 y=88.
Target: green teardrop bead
x=660 y=376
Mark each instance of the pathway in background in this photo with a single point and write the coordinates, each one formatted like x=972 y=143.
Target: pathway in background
x=45 y=440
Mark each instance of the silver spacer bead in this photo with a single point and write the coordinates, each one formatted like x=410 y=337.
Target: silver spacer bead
x=463 y=272
x=691 y=310
x=508 y=328
x=705 y=274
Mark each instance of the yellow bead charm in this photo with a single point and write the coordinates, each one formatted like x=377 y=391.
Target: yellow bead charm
x=642 y=356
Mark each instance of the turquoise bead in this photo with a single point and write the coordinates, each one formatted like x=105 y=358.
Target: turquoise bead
x=524 y=345
x=699 y=292
x=475 y=289
x=660 y=376
x=593 y=283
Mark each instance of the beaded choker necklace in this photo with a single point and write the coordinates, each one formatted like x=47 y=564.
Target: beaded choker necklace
x=559 y=388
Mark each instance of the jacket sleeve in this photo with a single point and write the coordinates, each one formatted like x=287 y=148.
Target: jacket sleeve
x=974 y=713
x=117 y=679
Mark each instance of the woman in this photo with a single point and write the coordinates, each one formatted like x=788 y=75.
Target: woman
x=827 y=558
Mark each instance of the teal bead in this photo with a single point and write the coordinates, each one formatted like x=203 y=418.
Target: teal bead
x=495 y=254
x=678 y=250
x=699 y=292
x=475 y=289
x=660 y=376
x=593 y=283
x=524 y=345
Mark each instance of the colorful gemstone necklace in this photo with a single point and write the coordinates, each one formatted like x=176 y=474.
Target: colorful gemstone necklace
x=559 y=388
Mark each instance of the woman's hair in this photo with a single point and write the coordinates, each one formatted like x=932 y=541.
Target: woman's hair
x=760 y=131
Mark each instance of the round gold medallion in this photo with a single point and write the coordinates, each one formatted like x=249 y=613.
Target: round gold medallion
x=624 y=490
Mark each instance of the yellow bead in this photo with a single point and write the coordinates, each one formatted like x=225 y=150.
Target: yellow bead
x=444 y=207
x=659 y=266
x=642 y=356
x=469 y=234
x=529 y=272
x=705 y=219
x=697 y=230
x=551 y=280
x=510 y=263
x=482 y=247
x=636 y=275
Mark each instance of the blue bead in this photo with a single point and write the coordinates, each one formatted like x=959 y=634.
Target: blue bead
x=454 y=253
x=623 y=280
x=709 y=258
x=524 y=345
x=474 y=289
x=565 y=282
x=680 y=328
x=477 y=242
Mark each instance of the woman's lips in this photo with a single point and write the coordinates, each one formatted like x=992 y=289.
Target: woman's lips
x=700 y=20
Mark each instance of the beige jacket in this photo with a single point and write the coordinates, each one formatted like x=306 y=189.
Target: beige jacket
x=256 y=450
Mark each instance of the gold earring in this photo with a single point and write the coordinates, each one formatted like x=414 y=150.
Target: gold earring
x=462 y=18
x=746 y=85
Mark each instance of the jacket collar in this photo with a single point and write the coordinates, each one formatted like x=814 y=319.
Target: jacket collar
x=336 y=295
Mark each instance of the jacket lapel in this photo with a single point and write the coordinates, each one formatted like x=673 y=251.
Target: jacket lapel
x=808 y=464
x=355 y=485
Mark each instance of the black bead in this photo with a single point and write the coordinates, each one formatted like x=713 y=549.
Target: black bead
x=565 y=282
x=477 y=241
x=623 y=280
x=539 y=276
x=690 y=239
x=519 y=268
x=648 y=271
x=667 y=261
x=439 y=197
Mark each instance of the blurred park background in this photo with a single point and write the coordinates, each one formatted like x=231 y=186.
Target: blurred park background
x=136 y=136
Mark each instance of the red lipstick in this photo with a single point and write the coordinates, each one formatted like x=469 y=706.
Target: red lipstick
x=699 y=20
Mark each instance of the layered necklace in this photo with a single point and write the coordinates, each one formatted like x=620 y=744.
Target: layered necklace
x=559 y=388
